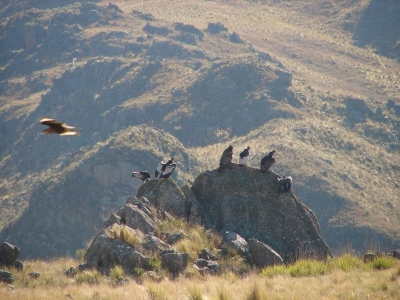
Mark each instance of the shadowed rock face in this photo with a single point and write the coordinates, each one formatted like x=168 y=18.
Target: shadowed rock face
x=245 y=201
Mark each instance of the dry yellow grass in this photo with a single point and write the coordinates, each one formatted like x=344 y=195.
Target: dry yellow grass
x=53 y=284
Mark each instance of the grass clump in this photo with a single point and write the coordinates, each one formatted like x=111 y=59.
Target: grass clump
x=117 y=273
x=308 y=268
x=195 y=293
x=125 y=234
x=383 y=263
x=80 y=254
x=90 y=277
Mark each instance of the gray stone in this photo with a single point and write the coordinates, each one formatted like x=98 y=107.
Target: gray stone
x=6 y=277
x=263 y=255
x=207 y=254
x=201 y=262
x=18 y=265
x=105 y=252
x=164 y=194
x=137 y=219
x=113 y=219
x=235 y=241
x=71 y=272
x=213 y=266
x=34 y=275
x=155 y=244
x=8 y=254
x=175 y=262
x=175 y=237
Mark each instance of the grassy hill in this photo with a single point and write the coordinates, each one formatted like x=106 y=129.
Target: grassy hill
x=318 y=82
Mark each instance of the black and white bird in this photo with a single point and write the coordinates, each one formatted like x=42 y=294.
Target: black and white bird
x=167 y=168
x=244 y=156
x=158 y=170
x=284 y=183
x=144 y=175
x=267 y=162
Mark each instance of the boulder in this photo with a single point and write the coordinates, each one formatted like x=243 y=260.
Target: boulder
x=263 y=255
x=175 y=262
x=210 y=266
x=8 y=254
x=105 y=253
x=175 y=237
x=154 y=244
x=18 y=265
x=6 y=277
x=207 y=254
x=164 y=194
x=113 y=219
x=136 y=218
x=246 y=202
x=235 y=241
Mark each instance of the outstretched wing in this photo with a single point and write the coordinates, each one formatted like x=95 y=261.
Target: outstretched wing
x=50 y=122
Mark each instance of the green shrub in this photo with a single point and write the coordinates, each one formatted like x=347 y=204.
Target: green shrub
x=383 y=263
x=80 y=254
x=347 y=262
x=308 y=268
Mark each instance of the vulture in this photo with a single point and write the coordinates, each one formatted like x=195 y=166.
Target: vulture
x=57 y=127
x=144 y=175
x=228 y=151
x=284 y=183
x=244 y=156
x=225 y=162
x=267 y=162
x=158 y=170
x=167 y=168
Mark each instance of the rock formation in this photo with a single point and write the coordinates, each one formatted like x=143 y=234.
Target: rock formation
x=246 y=202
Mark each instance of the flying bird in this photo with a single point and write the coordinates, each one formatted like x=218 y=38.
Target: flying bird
x=244 y=156
x=144 y=175
x=57 y=127
x=267 y=162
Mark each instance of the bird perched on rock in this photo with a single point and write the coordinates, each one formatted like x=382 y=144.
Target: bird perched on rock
x=168 y=168
x=57 y=127
x=244 y=156
x=225 y=162
x=158 y=170
x=284 y=183
x=227 y=152
x=267 y=162
x=144 y=175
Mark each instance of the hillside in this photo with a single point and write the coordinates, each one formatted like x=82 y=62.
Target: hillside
x=315 y=81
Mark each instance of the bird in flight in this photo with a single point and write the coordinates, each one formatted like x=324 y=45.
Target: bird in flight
x=57 y=127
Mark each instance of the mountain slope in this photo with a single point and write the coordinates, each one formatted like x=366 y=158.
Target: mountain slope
x=285 y=75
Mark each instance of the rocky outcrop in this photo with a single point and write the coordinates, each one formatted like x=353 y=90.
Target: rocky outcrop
x=164 y=194
x=175 y=262
x=8 y=254
x=105 y=253
x=247 y=202
x=263 y=255
x=235 y=241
